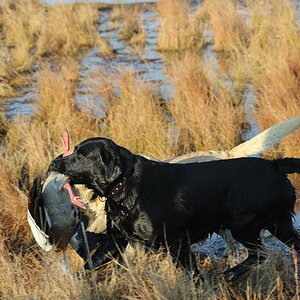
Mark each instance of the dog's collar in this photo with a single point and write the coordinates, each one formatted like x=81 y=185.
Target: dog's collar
x=117 y=188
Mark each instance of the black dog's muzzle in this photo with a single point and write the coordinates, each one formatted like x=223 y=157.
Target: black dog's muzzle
x=57 y=165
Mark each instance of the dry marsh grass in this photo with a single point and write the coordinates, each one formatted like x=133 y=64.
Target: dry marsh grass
x=59 y=29
x=134 y=117
x=49 y=31
x=104 y=45
x=272 y=27
x=137 y=276
x=18 y=32
x=200 y=99
x=274 y=53
x=67 y=29
x=269 y=62
x=179 y=29
x=230 y=33
x=273 y=24
x=14 y=233
x=41 y=276
x=278 y=98
x=133 y=30
x=32 y=143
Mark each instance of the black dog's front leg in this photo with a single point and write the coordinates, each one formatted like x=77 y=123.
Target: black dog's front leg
x=93 y=240
x=111 y=246
x=182 y=254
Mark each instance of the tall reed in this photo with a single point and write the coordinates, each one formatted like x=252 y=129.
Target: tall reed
x=273 y=26
x=14 y=231
x=275 y=45
x=133 y=30
x=230 y=32
x=34 y=141
x=179 y=29
x=36 y=275
x=50 y=30
x=202 y=107
x=138 y=276
x=278 y=97
x=133 y=114
x=67 y=29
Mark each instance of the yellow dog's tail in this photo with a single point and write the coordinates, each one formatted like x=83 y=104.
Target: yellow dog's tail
x=265 y=140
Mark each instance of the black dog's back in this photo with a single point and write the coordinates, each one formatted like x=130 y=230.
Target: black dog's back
x=230 y=194
x=249 y=191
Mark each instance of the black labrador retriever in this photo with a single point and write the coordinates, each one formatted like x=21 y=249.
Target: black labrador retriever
x=175 y=205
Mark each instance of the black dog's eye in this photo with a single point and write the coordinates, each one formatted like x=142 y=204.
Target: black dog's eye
x=79 y=156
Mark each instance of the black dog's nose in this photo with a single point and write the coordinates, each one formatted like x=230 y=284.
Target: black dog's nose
x=55 y=165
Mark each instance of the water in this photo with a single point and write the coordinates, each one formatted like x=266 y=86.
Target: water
x=21 y=105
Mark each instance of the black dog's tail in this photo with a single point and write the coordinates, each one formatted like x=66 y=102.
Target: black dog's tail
x=288 y=165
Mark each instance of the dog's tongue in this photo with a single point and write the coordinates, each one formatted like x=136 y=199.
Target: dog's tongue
x=65 y=139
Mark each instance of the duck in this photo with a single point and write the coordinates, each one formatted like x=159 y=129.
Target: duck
x=54 y=208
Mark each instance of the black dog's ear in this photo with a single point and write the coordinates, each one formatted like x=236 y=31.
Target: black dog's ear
x=111 y=162
x=119 y=163
x=114 y=169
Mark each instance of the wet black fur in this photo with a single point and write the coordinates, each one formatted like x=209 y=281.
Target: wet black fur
x=176 y=205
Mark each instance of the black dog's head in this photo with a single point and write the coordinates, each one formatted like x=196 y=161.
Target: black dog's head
x=97 y=162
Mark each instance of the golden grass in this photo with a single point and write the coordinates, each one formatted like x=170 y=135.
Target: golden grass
x=200 y=99
x=34 y=275
x=67 y=29
x=274 y=54
x=49 y=31
x=14 y=230
x=138 y=276
x=229 y=30
x=273 y=26
x=269 y=62
x=274 y=23
x=19 y=31
x=134 y=117
x=103 y=44
x=179 y=28
x=278 y=97
x=132 y=28
x=267 y=27
x=34 y=142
